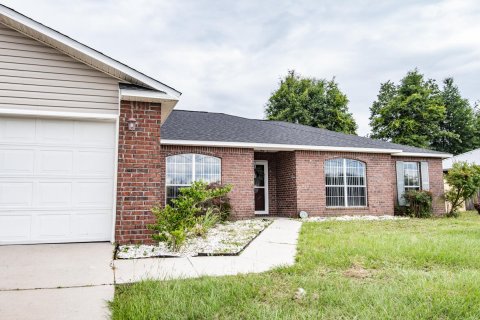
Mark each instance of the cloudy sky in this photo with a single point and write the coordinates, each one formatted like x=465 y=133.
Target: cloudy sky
x=228 y=56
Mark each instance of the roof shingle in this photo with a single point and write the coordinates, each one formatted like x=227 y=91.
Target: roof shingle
x=208 y=126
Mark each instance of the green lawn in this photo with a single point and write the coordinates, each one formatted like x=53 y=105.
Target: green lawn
x=413 y=269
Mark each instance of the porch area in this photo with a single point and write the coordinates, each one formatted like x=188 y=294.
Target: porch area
x=275 y=188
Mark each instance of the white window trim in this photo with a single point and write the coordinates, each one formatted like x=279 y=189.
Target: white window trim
x=265 y=163
x=345 y=185
x=419 y=172
x=193 y=171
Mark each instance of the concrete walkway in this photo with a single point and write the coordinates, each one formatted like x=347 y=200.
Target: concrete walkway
x=75 y=281
x=275 y=246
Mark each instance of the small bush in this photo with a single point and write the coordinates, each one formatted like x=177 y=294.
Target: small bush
x=219 y=205
x=205 y=222
x=464 y=181
x=401 y=211
x=194 y=212
x=420 y=203
x=477 y=207
x=171 y=226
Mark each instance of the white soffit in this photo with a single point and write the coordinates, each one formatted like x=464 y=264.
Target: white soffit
x=420 y=154
x=167 y=101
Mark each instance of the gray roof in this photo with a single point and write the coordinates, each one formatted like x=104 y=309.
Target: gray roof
x=207 y=126
x=470 y=157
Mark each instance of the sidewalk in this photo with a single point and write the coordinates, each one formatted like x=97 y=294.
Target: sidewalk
x=275 y=246
x=75 y=281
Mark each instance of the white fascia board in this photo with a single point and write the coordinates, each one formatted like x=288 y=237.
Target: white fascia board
x=29 y=23
x=274 y=147
x=167 y=101
x=57 y=114
x=420 y=154
x=145 y=95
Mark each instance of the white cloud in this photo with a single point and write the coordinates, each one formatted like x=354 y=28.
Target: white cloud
x=228 y=56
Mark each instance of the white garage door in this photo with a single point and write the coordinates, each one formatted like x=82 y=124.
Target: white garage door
x=56 y=180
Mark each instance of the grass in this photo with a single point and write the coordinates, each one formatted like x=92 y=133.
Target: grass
x=409 y=269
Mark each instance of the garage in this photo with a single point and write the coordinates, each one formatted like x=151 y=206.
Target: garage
x=56 y=180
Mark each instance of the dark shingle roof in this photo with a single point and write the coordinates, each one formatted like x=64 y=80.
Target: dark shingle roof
x=207 y=126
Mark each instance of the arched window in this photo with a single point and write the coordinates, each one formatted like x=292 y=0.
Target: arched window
x=183 y=169
x=345 y=183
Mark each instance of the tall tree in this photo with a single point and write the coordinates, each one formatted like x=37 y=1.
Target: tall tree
x=408 y=113
x=476 y=139
x=312 y=102
x=458 y=127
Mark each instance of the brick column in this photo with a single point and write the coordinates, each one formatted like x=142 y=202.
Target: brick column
x=139 y=171
x=287 y=183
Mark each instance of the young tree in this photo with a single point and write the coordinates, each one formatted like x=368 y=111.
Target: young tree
x=409 y=113
x=458 y=127
x=312 y=102
x=464 y=181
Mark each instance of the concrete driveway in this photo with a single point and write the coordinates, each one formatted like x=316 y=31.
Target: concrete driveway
x=56 y=281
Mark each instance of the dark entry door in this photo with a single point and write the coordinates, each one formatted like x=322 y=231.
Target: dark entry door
x=261 y=187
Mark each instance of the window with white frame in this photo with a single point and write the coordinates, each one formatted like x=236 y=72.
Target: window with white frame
x=345 y=183
x=184 y=169
x=411 y=173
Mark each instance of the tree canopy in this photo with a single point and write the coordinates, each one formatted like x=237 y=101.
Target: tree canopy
x=476 y=139
x=459 y=126
x=408 y=113
x=312 y=102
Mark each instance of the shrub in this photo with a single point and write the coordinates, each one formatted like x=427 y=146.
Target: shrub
x=205 y=222
x=420 y=203
x=220 y=205
x=477 y=207
x=401 y=211
x=464 y=181
x=171 y=226
x=192 y=213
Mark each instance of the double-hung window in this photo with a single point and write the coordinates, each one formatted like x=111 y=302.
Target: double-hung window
x=345 y=182
x=183 y=169
x=411 y=175
x=411 y=171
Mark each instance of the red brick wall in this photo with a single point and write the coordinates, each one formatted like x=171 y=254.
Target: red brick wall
x=435 y=176
x=237 y=170
x=139 y=176
x=296 y=178
x=311 y=183
x=286 y=184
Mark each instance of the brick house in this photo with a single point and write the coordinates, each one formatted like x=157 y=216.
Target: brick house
x=88 y=145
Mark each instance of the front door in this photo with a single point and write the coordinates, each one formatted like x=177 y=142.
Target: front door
x=261 y=187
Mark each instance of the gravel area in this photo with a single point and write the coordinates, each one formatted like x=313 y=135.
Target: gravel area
x=352 y=218
x=228 y=238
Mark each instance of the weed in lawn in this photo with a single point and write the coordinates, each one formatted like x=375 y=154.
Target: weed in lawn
x=357 y=272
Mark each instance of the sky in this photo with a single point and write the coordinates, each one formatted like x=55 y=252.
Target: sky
x=228 y=56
